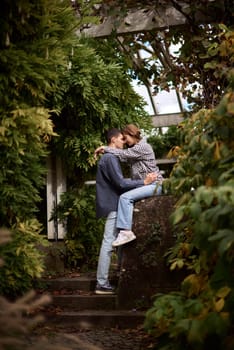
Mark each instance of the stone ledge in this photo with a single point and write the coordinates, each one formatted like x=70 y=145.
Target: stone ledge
x=144 y=271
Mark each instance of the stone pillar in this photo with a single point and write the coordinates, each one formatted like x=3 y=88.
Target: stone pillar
x=144 y=271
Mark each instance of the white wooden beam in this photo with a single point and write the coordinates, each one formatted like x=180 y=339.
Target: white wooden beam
x=166 y=161
x=167 y=119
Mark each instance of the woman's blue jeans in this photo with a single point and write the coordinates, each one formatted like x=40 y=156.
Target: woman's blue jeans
x=127 y=200
x=104 y=260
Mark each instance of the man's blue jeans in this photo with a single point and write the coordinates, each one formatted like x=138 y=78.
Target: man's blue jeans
x=104 y=260
x=127 y=200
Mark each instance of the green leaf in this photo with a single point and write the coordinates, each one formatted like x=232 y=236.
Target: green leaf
x=225 y=233
x=195 y=210
x=178 y=215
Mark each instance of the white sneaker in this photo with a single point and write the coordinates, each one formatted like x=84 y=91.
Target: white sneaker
x=123 y=238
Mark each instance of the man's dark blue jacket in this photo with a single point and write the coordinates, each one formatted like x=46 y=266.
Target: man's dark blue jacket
x=110 y=184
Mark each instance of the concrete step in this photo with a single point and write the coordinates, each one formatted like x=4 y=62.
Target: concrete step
x=76 y=302
x=82 y=283
x=91 y=319
x=70 y=284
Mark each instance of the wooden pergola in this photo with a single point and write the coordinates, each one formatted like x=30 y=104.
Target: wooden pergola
x=144 y=16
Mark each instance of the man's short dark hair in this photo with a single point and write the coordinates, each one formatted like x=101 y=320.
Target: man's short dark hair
x=111 y=133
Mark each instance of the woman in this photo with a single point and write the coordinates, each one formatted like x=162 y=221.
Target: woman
x=141 y=159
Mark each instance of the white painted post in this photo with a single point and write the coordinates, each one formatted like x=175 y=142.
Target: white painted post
x=56 y=185
x=50 y=199
x=61 y=188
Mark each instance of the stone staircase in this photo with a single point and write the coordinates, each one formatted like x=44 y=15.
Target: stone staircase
x=74 y=304
x=144 y=273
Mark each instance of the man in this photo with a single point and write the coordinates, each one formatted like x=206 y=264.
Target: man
x=110 y=184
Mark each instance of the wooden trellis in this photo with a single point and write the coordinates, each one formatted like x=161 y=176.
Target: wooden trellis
x=144 y=16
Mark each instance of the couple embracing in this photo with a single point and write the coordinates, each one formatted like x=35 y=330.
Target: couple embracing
x=116 y=195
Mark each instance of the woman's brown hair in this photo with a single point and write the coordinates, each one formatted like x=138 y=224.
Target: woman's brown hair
x=133 y=131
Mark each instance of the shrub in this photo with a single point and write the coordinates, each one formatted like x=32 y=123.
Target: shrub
x=201 y=314
x=23 y=261
x=84 y=231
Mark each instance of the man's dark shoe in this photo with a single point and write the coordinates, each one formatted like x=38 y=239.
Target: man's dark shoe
x=104 y=289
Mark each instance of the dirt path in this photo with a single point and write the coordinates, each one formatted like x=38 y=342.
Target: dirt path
x=98 y=339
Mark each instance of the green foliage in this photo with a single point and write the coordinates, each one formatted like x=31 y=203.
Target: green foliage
x=35 y=40
x=23 y=261
x=193 y=323
x=95 y=95
x=16 y=324
x=162 y=143
x=201 y=314
x=84 y=232
x=204 y=217
x=34 y=37
x=23 y=133
x=166 y=145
